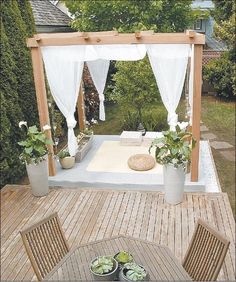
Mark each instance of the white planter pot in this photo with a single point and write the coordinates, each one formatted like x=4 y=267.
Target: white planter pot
x=174 y=179
x=38 y=178
x=67 y=162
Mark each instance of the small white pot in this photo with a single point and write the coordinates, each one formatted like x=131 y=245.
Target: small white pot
x=67 y=162
x=38 y=178
x=174 y=179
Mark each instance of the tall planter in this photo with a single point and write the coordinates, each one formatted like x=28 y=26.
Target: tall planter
x=38 y=178
x=174 y=179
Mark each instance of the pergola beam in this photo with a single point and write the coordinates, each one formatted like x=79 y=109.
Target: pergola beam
x=95 y=38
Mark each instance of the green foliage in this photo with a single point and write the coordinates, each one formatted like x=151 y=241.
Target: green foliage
x=10 y=165
x=223 y=9
x=130 y=15
x=15 y=29
x=137 y=88
x=103 y=265
x=18 y=100
x=134 y=272
x=124 y=257
x=153 y=119
x=34 y=145
x=221 y=73
x=63 y=154
x=27 y=16
x=174 y=147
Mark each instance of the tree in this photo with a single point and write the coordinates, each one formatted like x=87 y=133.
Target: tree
x=11 y=114
x=27 y=16
x=135 y=89
x=221 y=73
x=223 y=10
x=15 y=29
x=130 y=15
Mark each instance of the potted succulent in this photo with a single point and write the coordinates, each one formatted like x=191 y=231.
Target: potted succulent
x=104 y=268
x=173 y=151
x=133 y=272
x=123 y=257
x=35 y=156
x=66 y=160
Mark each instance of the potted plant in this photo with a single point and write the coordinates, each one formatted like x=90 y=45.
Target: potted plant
x=173 y=151
x=34 y=155
x=133 y=272
x=123 y=257
x=66 y=160
x=104 y=268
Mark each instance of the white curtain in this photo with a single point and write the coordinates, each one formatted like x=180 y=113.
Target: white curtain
x=190 y=91
x=64 y=79
x=98 y=70
x=169 y=63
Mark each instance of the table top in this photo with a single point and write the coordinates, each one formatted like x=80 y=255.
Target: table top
x=158 y=260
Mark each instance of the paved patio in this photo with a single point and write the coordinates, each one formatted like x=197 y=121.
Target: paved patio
x=88 y=215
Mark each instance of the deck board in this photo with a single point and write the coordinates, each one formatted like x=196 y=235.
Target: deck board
x=89 y=215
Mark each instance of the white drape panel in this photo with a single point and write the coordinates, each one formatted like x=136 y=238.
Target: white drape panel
x=98 y=70
x=169 y=63
x=86 y=53
x=190 y=91
x=64 y=79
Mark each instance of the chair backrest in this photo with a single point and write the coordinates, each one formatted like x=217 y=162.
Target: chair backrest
x=206 y=253
x=45 y=244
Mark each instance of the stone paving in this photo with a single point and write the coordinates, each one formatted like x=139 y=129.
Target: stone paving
x=225 y=149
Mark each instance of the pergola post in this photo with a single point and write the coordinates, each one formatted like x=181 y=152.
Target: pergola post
x=41 y=95
x=196 y=115
x=81 y=108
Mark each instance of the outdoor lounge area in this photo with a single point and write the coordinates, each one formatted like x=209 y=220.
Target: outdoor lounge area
x=91 y=213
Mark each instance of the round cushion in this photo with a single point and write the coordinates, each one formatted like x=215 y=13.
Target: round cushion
x=141 y=162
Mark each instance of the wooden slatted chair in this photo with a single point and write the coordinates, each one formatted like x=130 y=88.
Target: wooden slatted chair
x=45 y=244
x=206 y=253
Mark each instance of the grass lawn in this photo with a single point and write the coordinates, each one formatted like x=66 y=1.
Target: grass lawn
x=219 y=117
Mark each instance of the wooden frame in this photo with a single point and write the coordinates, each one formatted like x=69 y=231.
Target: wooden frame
x=113 y=37
x=38 y=240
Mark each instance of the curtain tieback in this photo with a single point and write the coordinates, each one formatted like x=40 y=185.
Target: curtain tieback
x=172 y=119
x=71 y=122
x=101 y=97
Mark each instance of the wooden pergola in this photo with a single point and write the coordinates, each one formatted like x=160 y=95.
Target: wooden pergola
x=113 y=37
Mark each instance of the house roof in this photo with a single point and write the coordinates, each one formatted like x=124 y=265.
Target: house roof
x=47 y=14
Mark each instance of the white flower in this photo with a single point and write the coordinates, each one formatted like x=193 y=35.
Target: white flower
x=22 y=123
x=46 y=127
x=183 y=125
x=87 y=122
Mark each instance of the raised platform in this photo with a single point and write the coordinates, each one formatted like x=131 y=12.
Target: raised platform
x=105 y=166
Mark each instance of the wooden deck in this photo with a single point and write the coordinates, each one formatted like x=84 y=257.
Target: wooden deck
x=89 y=215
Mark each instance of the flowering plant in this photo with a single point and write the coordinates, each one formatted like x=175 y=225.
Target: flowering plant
x=35 y=144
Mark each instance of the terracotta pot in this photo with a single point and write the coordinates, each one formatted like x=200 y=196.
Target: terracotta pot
x=174 y=179
x=67 y=162
x=38 y=177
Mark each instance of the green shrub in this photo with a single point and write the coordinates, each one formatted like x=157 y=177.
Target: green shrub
x=220 y=74
x=153 y=119
x=10 y=165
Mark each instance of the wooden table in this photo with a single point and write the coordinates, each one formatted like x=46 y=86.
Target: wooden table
x=157 y=260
